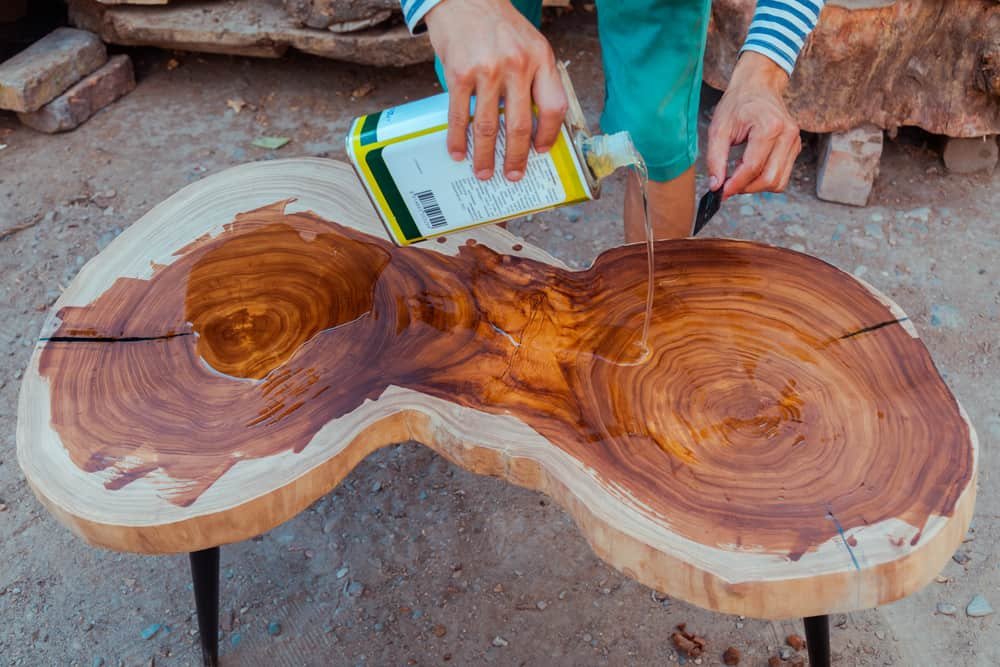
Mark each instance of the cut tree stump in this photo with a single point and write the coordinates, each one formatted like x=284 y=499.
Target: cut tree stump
x=890 y=63
x=787 y=449
x=258 y=28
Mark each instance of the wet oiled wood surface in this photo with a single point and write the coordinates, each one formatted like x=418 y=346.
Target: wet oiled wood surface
x=786 y=447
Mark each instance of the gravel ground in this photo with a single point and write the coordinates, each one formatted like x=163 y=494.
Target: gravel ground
x=411 y=560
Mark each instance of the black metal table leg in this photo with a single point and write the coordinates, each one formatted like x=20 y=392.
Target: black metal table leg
x=205 y=574
x=818 y=640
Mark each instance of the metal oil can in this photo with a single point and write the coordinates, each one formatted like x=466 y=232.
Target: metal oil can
x=419 y=191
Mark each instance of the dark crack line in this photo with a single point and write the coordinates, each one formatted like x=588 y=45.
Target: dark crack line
x=873 y=328
x=109 y=339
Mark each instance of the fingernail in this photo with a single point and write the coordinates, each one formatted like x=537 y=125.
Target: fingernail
x=542 y=149
x=514 y=175
x=484 y=174
x=713 y=183
x=457 y=156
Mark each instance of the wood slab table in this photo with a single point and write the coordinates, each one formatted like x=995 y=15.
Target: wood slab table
x=786 y=449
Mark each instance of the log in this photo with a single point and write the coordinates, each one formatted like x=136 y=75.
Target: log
x=890 y=63
x=258 y=28
x=787 y=449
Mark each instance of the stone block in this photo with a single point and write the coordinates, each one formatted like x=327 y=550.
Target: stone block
x=83 y=100
x=48 y=67
x=967 y=156
x=848 y=165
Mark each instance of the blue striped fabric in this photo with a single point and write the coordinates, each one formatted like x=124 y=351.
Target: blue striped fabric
x=778 y=31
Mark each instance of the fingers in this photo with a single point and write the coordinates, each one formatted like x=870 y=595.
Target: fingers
x=720 y=140
x=750 y=167
x=460 y=87
x=485 y=125
x=517 y=117
x=777 y=171
x=550 y=98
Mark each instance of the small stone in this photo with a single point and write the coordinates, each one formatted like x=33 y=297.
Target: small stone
x=785 y=652
x=342 y=572
x=3 y=507
x=376 y=487
x=879 y=635
x=235 y=638
x=946 y=608
x=541 y=604
x=562 y=595
x=877 y=217
x=797 y=247
x=329 y=526
x=150 y=630
x=416 y=614
x=573 y=216
x=423 y=495
x=797 y=661
x=747 y=210
x=274 y=628
x=923 y=214
x=941 y=579
x=587 y=637
x=774 y=661
x=355 y=589
x=97 y=662
x=48 y=67
x=947 y=316
x=440 y=630
x=978 y=607
x=874 y=230
x=379 y=626
x=969 y=155
x=796 y=642
x=498 y=588
x=731 y=656
x=500 y=641
x=796 y=230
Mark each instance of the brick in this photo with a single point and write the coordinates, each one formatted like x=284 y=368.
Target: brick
x=48 y=67
x=83 y=100
x=848 y=165
x=967 y=156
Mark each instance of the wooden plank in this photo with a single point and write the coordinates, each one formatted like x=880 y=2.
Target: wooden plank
x=787 y=449
x=250 y=28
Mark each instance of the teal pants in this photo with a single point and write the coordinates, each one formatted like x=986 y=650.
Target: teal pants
x=652 y=52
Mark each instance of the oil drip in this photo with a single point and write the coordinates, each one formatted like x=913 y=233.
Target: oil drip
x=604 y=154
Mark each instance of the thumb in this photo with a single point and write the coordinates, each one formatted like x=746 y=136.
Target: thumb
x=718 y=153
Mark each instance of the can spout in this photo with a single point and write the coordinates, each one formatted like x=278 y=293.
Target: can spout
x=605 y=153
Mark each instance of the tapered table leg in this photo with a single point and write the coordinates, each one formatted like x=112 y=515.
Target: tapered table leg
x=205 y=574
x=818 y=640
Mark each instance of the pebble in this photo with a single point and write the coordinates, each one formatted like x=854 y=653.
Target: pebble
x=587 y=637
x=573 y=216
x=376 y=487
x=440 y=630
x=961 y=557
x=978 y=607
x=796 y=230
x=98 y=662
x=274 y=628
x=797 y=247
x=541 y=604
x=944 y=315
x=879 y=634
x=235 y=638
x=500 y=641
x=922 y=214
x=946 y=608
x=746 y=210
x=569 y=236
x=877 y=217
x=416 y=614
x=785 y=652
x=562 y=595
x=329 y=526
x=860 y=270
x=874 y=230
x=150 y=631
x=423 y=495
x=379 y=626
x=342 y=572
x=355 y=589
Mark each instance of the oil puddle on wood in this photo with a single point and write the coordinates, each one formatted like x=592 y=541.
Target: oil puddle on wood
x=754 y=413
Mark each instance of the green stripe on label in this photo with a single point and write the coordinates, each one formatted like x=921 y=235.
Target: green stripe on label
x=369 y=129
x=392 y=195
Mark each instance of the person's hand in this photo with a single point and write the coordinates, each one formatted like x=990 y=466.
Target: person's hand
x=752 y=110
x=489 y=50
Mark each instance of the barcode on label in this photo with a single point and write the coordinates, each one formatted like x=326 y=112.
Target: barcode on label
x=428 y=202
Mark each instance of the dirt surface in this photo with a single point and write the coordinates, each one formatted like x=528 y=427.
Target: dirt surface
x=411 y=560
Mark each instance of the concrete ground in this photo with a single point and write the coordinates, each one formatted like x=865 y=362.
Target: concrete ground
x=411 y=560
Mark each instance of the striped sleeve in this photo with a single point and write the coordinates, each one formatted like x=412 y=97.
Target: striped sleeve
x=780 y=27
x=414 y=12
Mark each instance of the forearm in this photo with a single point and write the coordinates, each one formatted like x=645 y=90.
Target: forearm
x=779 y=29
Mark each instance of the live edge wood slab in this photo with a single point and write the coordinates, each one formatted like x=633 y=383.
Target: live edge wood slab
x=788 y=449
